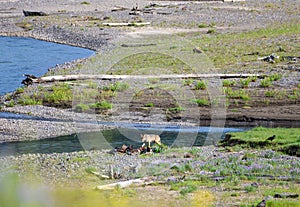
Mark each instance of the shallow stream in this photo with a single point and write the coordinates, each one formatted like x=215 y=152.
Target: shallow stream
x=19 y=56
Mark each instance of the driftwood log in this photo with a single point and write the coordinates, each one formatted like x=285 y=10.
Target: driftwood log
x=33 y=13
x=125 y=184
x=32 y=79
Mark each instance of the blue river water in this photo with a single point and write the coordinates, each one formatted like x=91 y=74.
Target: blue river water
x=128 y=134
x=20 y=56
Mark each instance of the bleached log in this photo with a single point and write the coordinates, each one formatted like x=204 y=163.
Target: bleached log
x=123 y=184
x=124 y=77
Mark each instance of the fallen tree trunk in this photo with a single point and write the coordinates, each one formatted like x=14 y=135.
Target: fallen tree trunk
x=32 y=79
x=124 y=184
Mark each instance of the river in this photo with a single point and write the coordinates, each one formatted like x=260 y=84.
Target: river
x=20 y=56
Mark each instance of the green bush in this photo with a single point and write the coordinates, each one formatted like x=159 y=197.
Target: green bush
x=81 y=108
x=200 y=85
x=227 y=83
x=245 y=82
x=275 y=77
x=149 y=104
x=177 y=109
x=266 y=82
x=201 y=102
x=101 y=105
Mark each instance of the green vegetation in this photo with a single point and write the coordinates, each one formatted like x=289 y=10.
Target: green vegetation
x=118 y=86
x=283 y=203
x=286 y=140
x=150 y=64
x=200 y=85
x=149 y=105
x=227 y=83
x=266 y=82
x=20 y=90
x=237 y=94
x=176 y=109
x=101 y=105
x=275 y=77
x=211 y=31
x=85 y=2
x=245 y=82
x=201 y=102
x=188 y=82
x=81 y=108
x=229 y=50
x=204 y=25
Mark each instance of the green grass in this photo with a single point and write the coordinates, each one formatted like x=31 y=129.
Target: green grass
x=287 y=140
x=201 y=102
x=150 y=64
x=229 y=50
x=149 y=105
x=283 y=203
x=200 y=85
x=227 y=83
x=176 y=109
x=237 y=94
x=117 y=86
x=102 y=105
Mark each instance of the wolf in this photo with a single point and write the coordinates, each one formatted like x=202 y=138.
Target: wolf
x=150 y=138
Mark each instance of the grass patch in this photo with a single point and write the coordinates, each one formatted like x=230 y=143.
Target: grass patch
x=227 y=83
x=283 y=203
x=286 y=140
x=150 y=64
x=149 y=105
x=229 y=50
x=200 y=85
x=101 y=105
x=176 y=109
x=201 y=102
x=237 y=94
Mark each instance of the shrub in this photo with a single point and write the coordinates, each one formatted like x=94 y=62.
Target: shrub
x=200 y=85
x=118 y=86
x=266 y=82
x=201 y=102
x=11 y=103
x=202 y=25
x=188 y=82
x=177 y=109
x=245 y=82
x=149 y=104
x=20 y=90
x=275 y=77
x=101 y=105
x=81 y=108
x=238 y=94
x=211 y=31
x=270 y=93
x=227 y=83
x=26 y=100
